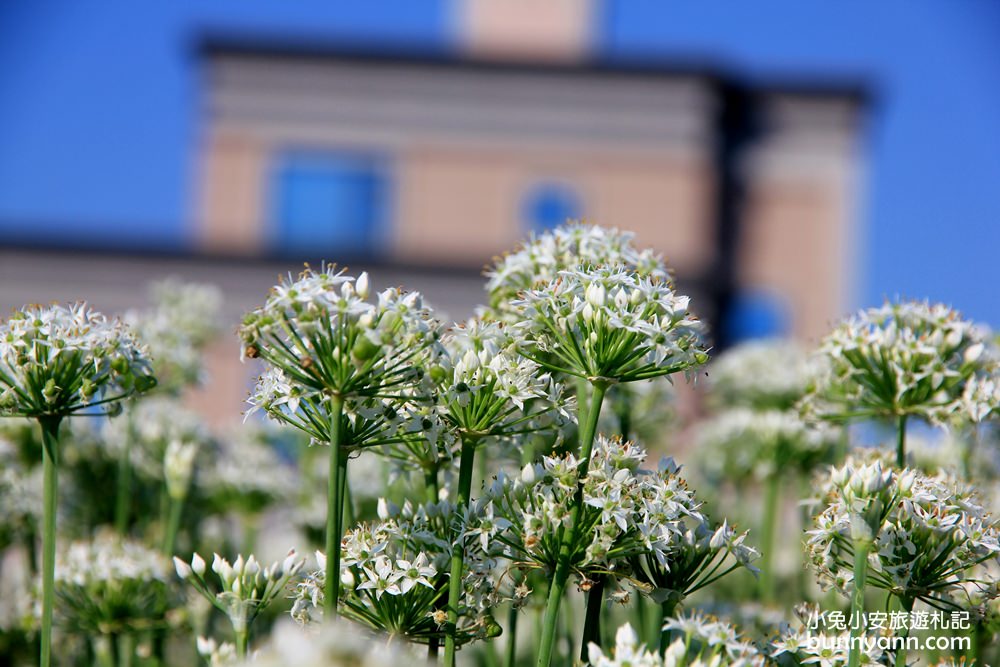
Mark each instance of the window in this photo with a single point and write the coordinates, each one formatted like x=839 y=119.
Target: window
x=549 y=205
x=756 y=314
x=328 y=204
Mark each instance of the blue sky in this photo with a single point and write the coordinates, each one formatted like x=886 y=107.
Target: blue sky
x=99 y=120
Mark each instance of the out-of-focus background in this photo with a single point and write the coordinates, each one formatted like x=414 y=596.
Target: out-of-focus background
x=793 y=160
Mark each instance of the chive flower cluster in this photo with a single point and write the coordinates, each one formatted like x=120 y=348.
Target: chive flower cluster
x=898 y=360
x=59 y=360
x=927 y=534
x=609 y=324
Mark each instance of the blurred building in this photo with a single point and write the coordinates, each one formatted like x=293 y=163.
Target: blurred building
x=436 y=160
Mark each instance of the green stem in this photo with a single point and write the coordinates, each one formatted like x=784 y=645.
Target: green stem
x=582 y=396
x=431 y=489
x=50 y=461
x=861 y=548
x=666 y=611
x=173 y=526
x=103 y=655
x=510 y=658
x=466 y=462
x=560 y=577
x=907 y=605
x=334 y=510
x=592 y=621
x=901 y=442
x=123 y=499
x=772 y=496
x=126 y=649
x=243 y=638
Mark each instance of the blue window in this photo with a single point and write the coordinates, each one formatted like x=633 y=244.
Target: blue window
x=330 y=204
x=549 y=205
x=756 y=315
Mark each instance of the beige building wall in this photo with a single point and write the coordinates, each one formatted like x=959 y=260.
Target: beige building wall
x=526 y=29
x=797 y=235
x=463 y=206
x=232 y=192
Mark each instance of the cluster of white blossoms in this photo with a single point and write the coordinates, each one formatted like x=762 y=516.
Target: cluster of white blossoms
x=148 y=431
x=20 y=495
x=608 y=324
x=326 y=335
x=802 y=645
x=981 y=398
x=184 y=317
x=701 y=641
x=393 y=574
x=58 y=360
x=742 y=444
x=333 y=644
x=245 y=587
x=485 y=384
x=110 y=585
x=543 y=257
x=246 y=473
x=902 y=359
x=769 y=374
x=628 y=512
x=927 y=534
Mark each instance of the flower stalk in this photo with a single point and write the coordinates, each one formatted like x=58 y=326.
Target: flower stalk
x=455 y=582
x=592 y=621
x=50 y=462
x=335 y=508
x=772 y=499
x=861 y=549
x=560 y=577
x=901 y=442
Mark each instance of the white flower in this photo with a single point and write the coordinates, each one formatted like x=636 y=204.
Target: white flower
x=643 y=331
x=567 y=247
x=908 y=358
x=59 y=360
x=178 y=464
x=927 y=534
x=760 y=374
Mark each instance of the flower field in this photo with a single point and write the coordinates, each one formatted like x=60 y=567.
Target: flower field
x=571 y=476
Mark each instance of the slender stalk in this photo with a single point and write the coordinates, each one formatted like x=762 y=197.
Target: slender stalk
x=510 y=658
x=243 y=638
x=592 y=621
x=901 y=442
x=50 y=461
x=123 y=499
x=861 y=548
x=666 y=611
x=772 y=496
x=432 y=649
x=560 y=577
x=172 y=526
x=582 y=398
x=466 y=462
x=334 y=511
x=906 y=604
x=103 y=655
x=126 y=649
x=431 y=489
x=641 y=621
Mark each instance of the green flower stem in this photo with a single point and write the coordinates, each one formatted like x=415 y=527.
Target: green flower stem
x=466 y=463
x=861 y=548
x=50 y=461
x=772 y=497
x=126 y=649
x=561 y=576
x=582 y=396
x=667 y=609
x=172 y=526
x=243 y=638
x=906 y=604
x=123 y=499
x=510 y=657
x=901 y=442
x=592 y=621
x=334 y=510
x=431 y=489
